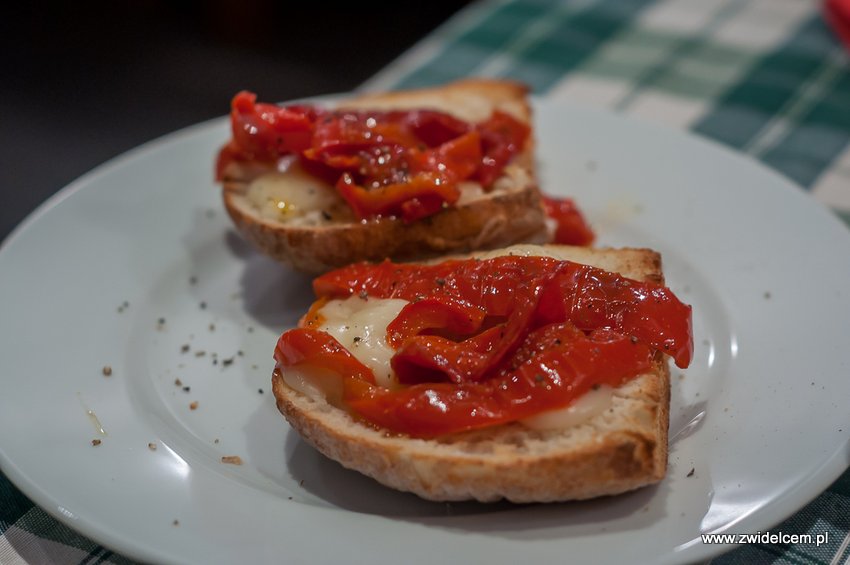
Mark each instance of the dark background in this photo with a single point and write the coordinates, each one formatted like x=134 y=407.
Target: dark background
x=81 y=82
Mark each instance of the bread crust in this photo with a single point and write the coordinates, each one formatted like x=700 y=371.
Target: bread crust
x=620 y=449
x=511 y=214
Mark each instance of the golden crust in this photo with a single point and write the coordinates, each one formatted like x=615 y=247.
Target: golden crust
x=511 y=214
x=621 y=449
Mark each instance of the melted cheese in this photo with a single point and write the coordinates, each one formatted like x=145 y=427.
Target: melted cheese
x=580 y=411
x=316 y=383
x=292 y=195
x=360 y=325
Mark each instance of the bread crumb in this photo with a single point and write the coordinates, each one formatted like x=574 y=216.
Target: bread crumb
x=178 y=382
x=193 y=405
x=107 y=371
x=152 y=446
x=184 y=348
x=96 y=442
x=231 y=459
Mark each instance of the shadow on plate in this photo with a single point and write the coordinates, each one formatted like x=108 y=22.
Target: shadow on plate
x=275 y=296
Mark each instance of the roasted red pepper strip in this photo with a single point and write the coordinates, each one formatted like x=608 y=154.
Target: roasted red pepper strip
x=565 y=365
x=313 y=348
x=265 y=131
x=592 y=299
x=572 y=228
x=431 y=358
x=469 y=360
x=426 y=189
x=434 y=313
x=503 y=136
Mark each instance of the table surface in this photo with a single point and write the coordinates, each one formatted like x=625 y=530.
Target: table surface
x=765 y=77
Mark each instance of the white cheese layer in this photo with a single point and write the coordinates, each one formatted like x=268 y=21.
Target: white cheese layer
x=580 y=411
x=294 y=196
x=360 y=325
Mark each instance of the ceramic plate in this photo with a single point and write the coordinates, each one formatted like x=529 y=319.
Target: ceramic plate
x=135 y=267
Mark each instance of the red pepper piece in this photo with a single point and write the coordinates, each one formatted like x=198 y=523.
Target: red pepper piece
x=572 y=228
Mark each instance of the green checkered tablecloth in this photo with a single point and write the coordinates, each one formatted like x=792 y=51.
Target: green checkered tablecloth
x=765 y=77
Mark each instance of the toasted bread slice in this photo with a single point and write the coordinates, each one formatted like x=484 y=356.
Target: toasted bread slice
x=329 y=237
x=618 y=449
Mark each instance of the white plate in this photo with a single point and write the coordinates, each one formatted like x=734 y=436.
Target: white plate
x=761 y=417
